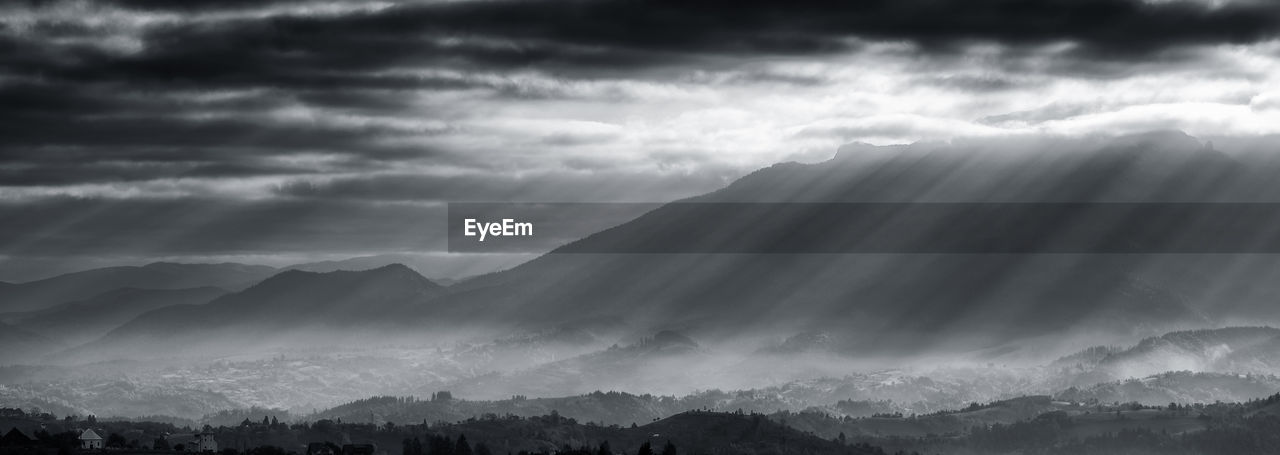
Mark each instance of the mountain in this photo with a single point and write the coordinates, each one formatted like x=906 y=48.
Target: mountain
x=21 y=345
x=441 y=268
x=901 y=303
x=287 y=304
x=1176 y=386
x=1230 y=350
x=41 y=294
x=83 y=320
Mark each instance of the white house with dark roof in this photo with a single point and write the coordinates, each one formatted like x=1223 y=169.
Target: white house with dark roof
x=89 y=440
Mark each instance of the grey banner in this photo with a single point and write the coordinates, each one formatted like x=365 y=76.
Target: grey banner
x=788 y=228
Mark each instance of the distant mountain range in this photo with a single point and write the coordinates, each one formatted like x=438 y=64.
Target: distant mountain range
x=46 y=293
x=1242 y=350
x=870 y=304
x=288 y=303
x=900 y=303
x=86 y=320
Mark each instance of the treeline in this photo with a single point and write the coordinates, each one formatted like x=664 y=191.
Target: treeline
x=443 y=445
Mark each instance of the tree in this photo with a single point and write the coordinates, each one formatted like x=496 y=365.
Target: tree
x=669 y=449
x=440 y=445
x=116 y=441
x=266 y=421
x=463 y=448
x=482 y=449
x=604 y=449
x=274 y=422
x=645 y=449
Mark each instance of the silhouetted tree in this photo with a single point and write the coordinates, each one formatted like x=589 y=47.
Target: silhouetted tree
x=440 y=445
x=669 y=449
x=604 y=449
x=462 y=448
x=645 y=449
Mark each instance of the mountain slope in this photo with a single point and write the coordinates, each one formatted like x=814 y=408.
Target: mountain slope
x=285 y=305
x=83 y=320
x=41 y=294
x=1230 y=350
x=22 y=345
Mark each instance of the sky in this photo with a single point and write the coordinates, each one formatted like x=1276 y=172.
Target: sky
x=277 y=132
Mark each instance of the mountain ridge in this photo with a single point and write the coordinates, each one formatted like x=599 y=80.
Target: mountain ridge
x=286 y=304
x=47 y=292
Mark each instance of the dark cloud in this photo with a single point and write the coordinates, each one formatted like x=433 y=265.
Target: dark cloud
x=339 y=50
x=44 y=173
x=341 y=61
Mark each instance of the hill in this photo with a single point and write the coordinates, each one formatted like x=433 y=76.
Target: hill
x=42 y=294
x=21 y=345
x=322 y=306
x=83 y=320
x=1233 y=350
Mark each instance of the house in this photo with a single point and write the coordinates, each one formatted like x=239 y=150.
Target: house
x=204 y=443
x=16 y=438
x=90 y=440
